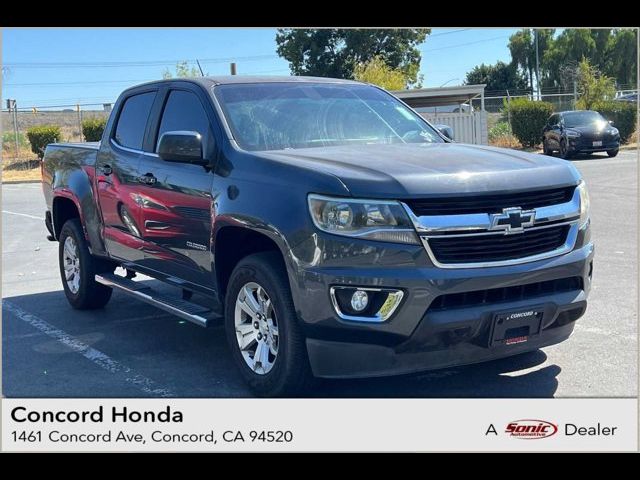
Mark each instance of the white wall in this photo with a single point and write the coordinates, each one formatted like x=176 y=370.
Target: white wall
x=467 y=127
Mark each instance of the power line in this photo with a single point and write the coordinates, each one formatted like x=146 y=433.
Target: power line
x=135 y=63
x=466 y=43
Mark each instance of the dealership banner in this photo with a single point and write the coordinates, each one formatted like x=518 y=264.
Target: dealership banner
x=354 y=425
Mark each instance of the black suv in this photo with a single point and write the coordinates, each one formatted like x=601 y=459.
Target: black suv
x=579 y=131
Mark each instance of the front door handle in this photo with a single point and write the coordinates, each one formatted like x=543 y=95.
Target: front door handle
x=105 y=169
x=148 y=178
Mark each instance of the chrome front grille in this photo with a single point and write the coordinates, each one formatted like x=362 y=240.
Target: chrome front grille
x=490 y=237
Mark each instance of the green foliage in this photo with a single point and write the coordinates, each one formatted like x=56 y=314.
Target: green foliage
x=377 y=72
x=622 y=114
x=41 y=136
x=593 y=87
x=500 y=129
x=501 y=76
x=92 y=128
x=336 y=52
x=183 y=70
x=9 y=139
x=611 y=51
x=528 y=118
x=522 y=46
x=621 y=60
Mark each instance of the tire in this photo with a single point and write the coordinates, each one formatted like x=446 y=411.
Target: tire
x=612 y=153
x=288 y=372
x=564 y=150
x=545 y=150
x=81 y=289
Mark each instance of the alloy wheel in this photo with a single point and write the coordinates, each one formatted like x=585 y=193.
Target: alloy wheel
x=256 y=328
x=71 y=263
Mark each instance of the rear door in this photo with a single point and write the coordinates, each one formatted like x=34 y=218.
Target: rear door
x=176 y=203
x=116 y=175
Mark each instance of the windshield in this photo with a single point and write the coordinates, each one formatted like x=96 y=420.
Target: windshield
x=583 y=119
x=274 y=116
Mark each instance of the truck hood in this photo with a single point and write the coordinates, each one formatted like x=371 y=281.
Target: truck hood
x=431 y=169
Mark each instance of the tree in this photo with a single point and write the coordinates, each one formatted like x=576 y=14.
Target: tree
x=622 y=56
x=183 y=70
x=522 y=46
x=336 y=52
x=501 y=76
x=376 y=71
x=593 y=86
x=571 y=46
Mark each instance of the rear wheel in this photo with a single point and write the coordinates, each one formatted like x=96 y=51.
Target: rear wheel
x=78 y=269
x=262 y=328
x=612 y=153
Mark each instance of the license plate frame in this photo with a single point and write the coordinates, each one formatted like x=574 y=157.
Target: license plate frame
x=596 y=143
x=515 y=327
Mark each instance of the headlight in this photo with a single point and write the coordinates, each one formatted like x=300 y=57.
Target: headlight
x=381 y=220
x=585 y=206
x=572 y=134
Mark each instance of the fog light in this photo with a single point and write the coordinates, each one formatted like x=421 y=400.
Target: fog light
x=359 y=300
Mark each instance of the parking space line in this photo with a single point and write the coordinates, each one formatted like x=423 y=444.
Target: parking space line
x=99 y=358
x=22 y=215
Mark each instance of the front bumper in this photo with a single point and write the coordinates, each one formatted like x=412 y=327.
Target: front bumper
x=416 y=338
x=586 y=145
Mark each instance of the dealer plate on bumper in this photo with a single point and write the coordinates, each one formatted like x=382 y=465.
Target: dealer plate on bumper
x=511 y=328
x=597 y=143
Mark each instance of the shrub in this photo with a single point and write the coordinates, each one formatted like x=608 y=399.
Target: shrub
x=500 y=135
x=9 y=140
x=40 y=137
x=623 y=115
x=92 y=128
x=528 y=118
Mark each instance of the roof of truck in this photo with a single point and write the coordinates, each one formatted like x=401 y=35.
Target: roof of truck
x=237 y=79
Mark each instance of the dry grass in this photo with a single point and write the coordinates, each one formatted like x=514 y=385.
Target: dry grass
x=506 y=141
x=21 y=175
x=21 y=171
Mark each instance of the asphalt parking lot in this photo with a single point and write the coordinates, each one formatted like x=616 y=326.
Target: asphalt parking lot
x=131 y=349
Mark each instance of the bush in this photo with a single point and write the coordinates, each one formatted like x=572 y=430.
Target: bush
x=623 y=115
x=500 y=135
x=40 y=137
x=528 y=118
x=9 y=140
x=92 y=128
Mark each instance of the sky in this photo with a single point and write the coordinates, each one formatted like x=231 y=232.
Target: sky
x=66 y=66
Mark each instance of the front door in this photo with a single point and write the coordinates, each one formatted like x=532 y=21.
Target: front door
x=116 y=177
x=175 y=204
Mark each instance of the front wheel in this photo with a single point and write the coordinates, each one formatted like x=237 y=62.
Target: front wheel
x=545 y=150
x=564 y=150
x=78 y=269
x=262 y=328
x=612 y=153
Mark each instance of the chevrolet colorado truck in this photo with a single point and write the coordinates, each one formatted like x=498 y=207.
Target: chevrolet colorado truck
x=337 y=232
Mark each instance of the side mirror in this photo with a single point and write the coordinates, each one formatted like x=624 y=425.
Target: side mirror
x=181 y=147
x=445 y=130
x=610 y=122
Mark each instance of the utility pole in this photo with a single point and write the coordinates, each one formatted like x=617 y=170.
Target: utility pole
x=233 y=68
x=535 y=32
x=12 y=106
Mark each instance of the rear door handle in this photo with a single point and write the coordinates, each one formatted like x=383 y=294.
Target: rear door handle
x=148 y=178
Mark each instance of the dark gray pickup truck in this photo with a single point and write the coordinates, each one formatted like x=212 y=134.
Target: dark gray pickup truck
x=338 y=233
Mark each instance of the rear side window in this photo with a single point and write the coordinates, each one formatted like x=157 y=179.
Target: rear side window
x=184 y=111
x=132 y=121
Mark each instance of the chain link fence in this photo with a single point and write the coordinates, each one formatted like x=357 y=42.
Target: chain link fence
x=16 y=150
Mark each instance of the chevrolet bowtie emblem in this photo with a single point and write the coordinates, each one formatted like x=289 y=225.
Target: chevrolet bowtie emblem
x=512 y=220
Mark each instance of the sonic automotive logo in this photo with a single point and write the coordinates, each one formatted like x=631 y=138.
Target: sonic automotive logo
x=530 y=429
